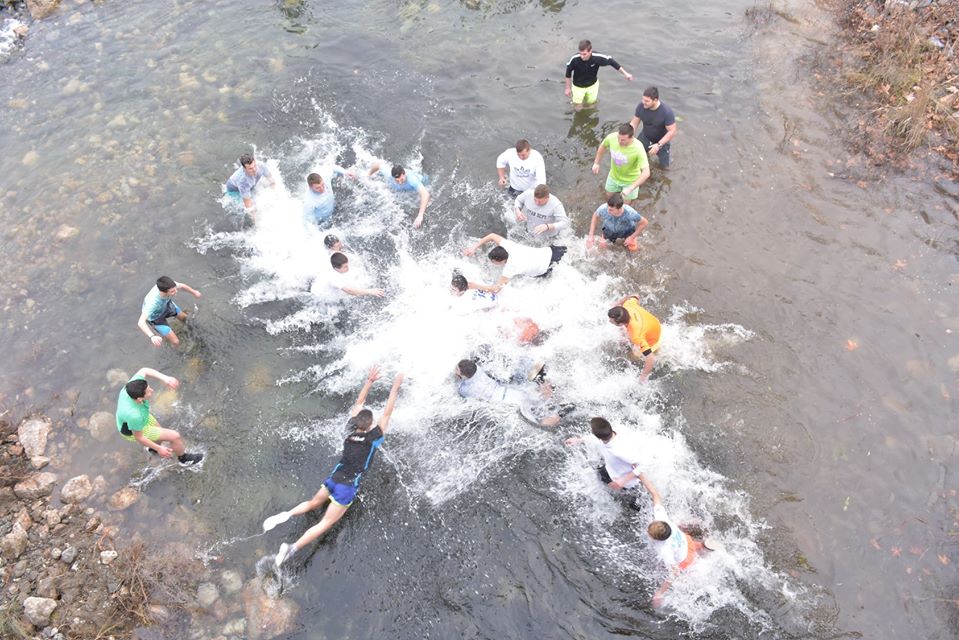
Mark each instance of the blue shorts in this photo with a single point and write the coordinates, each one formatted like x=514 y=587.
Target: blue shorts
x=160 y=325
x=341 y=494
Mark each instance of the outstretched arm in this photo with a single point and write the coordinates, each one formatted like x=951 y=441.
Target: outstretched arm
x=657 y=500
x=357 y=291
x=489 y=237
x=189 y=289
x=424 y=200
x=390 y=403
x=169 y=381
x=371 y=377
x=626 y=74
x=374 y=169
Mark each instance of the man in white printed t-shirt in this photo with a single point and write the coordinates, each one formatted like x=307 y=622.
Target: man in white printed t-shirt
x=516 y=260
x=621 y=458
x=526 y=168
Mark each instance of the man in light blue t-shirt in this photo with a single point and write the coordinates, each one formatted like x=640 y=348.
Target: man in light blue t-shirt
x=319 y=201
x=399 y=179
x=620 y=222
x=242 y=182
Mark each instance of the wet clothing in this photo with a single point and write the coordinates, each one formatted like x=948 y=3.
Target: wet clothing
x=413 y=180
x=476 y=300
x=341 y=494
x=131 y=415
x=655 y=121
x=585 y=95
x=644 y=328
x=529 y=261
x=243 y=184
x=618 y=226
x=676 y=550
x=626 y=163
x=482 y=386
x=358 y=450
x=552 y=213
x=318 y=207
x=622 y=455
x=157 y=307
x=584 y=72
x=523 y=174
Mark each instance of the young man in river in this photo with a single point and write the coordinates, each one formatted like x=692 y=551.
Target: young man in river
x=659 y=125
x=136 y=424
x=544 y=214
x=525 y=165
x=620 y=222
x=244 y=180
x=516 y=260
x=642 y=328
x=341 y=486
x=534 y=403
x=628 y=165
x=399 y=179
x=319 y=201
x=158 y=306
x=342 y=279
x=622 y=457
x=582 y=85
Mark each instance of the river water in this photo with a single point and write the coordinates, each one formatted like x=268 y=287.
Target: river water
x=803 y=408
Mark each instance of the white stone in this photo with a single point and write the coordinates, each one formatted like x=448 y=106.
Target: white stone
x=38 y=610
x=106 y=557
x=33 y=433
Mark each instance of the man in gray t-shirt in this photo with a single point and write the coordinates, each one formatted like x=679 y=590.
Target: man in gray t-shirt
x=244 y=179
x=542 y=212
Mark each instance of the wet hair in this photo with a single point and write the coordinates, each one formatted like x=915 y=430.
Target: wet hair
x=459 y=282
x=541 y=191
x=659 y=530
x=363 y=419
x=651 y=92
x=615 y=201
x=467 y=368
x=522 y=145
x=397 y=170
x=585 y=45
x=338 y=260
x=136 y=389
x=626 y=129
x=601 y=428
x=165 y=283
x=498 y=254
x=619 y=315
x=314 y=178
x=246 y=159
x=330 y=241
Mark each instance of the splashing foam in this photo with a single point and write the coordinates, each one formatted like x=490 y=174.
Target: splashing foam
x=420 y=328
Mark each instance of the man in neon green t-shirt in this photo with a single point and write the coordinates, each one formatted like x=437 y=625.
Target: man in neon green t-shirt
x=135 y=423
x=629 y=166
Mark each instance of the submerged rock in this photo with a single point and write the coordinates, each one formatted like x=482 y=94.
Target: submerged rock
x=33 y=433
x=76 y=489
x=66 y=232
x=35 y=486
x=103 y=426
x=267 y=617
x=207 y=594
x=123 y=498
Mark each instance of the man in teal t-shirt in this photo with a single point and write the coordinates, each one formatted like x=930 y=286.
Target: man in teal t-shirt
x=135 y=423
x=629 y=166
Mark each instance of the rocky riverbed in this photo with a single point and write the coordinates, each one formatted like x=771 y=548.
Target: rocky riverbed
x=69 y=569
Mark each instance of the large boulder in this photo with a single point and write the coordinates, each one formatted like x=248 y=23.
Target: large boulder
x=76 y=489
x=33 y=433
x=35 y=486
x=14 y=543
x=267 y=617
x=103 y=426
x=38 y=610
x=40 y=9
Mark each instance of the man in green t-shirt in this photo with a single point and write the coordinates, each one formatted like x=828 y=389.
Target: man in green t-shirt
x=135 y=423
x=629 y=166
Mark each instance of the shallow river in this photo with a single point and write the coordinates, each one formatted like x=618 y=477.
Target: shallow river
x=804 y=407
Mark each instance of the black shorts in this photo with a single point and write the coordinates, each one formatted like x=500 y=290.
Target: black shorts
x=170 y=311
x=558 y=253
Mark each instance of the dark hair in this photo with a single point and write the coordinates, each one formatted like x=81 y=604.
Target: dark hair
x=330 y=240
x=498 y=254
x=601 y=428
x=585 y=45
x=363 y=419
x=626 y=129
x=651 y=92
x=397 y=171
x=659 y=530
x=314 y=178
x=165 y=283
x=619 y=315
x=459 y=282
x=541 y=191
x=136 y=389
x=467 y=368
x=522 y=145
x=615 y=200
x=338 y=260
x=246 y=159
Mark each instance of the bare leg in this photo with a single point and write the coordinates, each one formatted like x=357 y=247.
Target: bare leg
x=176 y=442
x=181 y=316
x=333 y=514
x=172 y=339
x=317 y=501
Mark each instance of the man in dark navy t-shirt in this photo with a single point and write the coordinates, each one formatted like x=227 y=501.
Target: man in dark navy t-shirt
x=582 y=85
x=340 y=487
x=659 y=125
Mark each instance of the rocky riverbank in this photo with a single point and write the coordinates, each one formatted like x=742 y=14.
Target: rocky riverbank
x=69 y=569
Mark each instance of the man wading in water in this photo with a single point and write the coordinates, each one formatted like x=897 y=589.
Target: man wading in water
x=341 y=486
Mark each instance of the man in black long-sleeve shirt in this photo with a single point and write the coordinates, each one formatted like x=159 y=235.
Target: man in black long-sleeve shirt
x=582 y=85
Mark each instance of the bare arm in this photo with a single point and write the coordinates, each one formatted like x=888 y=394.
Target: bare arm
x=599 y=156
x=670 y=132
x=657 y=499
x=169 y=381
x=626 y=74
x=374 y=169
x=639 y=229
x=144 y=326
x=490 y=288
x=634 y=122
x=390 y=403
x=371 y=377
x=424 y=200
x=489 y=237
x=643 y=177
x=189 y=289
x=357 y=291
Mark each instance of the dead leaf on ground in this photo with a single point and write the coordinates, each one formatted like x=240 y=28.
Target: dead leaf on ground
x=851 y=345
x=944 y=559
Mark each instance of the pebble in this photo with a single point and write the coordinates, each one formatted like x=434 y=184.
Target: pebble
x=69 y=555
x=106 y=557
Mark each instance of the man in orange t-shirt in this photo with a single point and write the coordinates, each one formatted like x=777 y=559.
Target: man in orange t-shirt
x=642 y=327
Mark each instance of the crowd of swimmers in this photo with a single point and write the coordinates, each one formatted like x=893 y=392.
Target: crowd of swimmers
x=543 y=225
